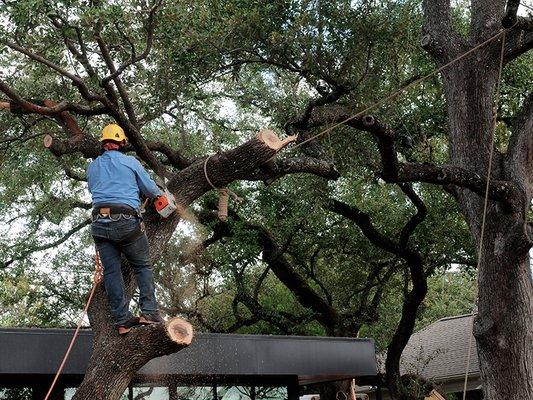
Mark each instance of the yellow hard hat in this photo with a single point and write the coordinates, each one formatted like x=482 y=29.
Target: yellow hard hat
x=113 y=132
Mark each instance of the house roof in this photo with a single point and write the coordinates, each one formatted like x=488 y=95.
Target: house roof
x=224 y=357
x=439 y=352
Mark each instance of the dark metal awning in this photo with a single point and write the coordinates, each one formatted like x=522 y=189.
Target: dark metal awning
x=231 y=358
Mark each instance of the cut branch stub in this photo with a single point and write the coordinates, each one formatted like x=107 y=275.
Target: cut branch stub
x=180 y=331
x=368 y=120
x=48 y=139
x=273 y=141
x=87 y=145
x=425 y=41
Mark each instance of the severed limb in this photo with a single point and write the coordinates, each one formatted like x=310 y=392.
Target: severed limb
x=179 y=331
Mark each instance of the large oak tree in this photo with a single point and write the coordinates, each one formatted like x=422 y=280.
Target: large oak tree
x=140 y=64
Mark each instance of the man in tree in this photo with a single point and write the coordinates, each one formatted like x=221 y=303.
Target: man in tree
x=115 y=181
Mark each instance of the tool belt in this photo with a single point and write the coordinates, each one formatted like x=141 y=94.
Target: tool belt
x=114 y=212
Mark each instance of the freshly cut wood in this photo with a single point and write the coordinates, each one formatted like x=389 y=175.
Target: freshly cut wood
x=434 y=395
x=273 y=141
x=48 y=139
x=180 y=331
x=4 y=105
x=223 y=199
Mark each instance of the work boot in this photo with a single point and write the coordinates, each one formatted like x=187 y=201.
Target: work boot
x=154 y=318
x=126 y=326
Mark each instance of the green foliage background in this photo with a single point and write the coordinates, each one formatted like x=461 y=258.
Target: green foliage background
x=218 y=72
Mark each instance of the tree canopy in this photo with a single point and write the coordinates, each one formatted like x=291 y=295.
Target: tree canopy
x=327 y=239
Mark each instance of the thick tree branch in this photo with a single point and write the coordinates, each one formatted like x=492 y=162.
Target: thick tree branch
x=240 y=163
x=506 y=192
x=523 y=23
x=86 y=145
x=519 y=40
x=275 y=169
x=394 y=171
x=174 y=157
x=326 y=315
x=439 y=38
x=19 y=105
x=416 y=219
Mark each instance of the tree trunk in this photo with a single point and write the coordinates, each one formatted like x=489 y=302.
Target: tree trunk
x=339 y=390
x=504 y=325
x=116 y=359
x=404 y=330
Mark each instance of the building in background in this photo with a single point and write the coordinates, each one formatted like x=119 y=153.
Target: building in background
x=214 y=366
x=439 y=354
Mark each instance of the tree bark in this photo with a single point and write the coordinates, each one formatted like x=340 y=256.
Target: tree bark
x=504 y=325
x=339 y=390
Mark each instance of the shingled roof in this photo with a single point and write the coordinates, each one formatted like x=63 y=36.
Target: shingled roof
x=439 y=352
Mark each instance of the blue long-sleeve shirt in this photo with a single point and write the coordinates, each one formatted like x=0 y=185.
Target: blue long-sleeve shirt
x=115 y=178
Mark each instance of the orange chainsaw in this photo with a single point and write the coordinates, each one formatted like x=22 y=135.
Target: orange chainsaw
x=165 y=204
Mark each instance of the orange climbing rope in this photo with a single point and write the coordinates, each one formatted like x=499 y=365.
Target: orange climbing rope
x=97 y=278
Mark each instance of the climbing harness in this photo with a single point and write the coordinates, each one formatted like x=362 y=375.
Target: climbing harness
x=114 y=213
x=223 y=195
x=97 y=278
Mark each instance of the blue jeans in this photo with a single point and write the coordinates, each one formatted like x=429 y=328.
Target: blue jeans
x=114 y=238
